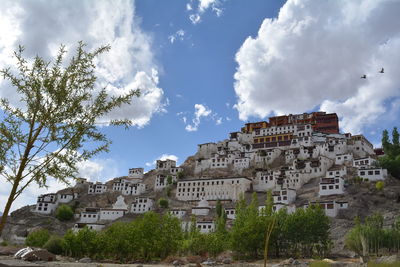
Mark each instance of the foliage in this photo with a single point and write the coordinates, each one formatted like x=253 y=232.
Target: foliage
x=391 y=159
x=218 y=208
x=149 y=237
x=379 y=185
x=370 y=238
x=169 y=179
x=163 y=203
x=180 y=175
x=64 y=213
x=168 y=191
x=55 y=128
x=37 y=238
x=55 y=245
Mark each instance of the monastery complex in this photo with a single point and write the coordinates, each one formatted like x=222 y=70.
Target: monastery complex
x=302 y=159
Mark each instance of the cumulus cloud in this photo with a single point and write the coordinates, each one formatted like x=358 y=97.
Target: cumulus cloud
x=179 y=35
x=41 y=26
x=313 y=55
x=202 y=7
x=162 y=157
x=200 y=111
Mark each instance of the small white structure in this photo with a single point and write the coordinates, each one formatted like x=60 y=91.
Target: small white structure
x=241 y=163
x=66 y=196
x=278 y=206
x=364 y=162
x=373 y=174
x=92 y=226
x=142 y=205
x=336 y=171
x=285 y=196
x=203 y=208
x=120 y=204
x=230 y=213
x=90 y=215
x=97 y=188
x=129 y=186
x=331 y=208
x=136 y=173
x=212 y=188
x=205 y=227
x=331 y=186
x=111 y=214
x=264 y=181
x=46 y=204
x=179 y=213
x=344 y=159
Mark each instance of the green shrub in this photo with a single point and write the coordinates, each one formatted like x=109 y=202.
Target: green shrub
x=4 y=243
x=380 y=185
x=64 y=213
x=163 y=203
x=319 y=264
x=54 y=245
x=37 y=238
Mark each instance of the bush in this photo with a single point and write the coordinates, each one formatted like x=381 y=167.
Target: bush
x=163 y=203
x=55 y=245
x=64 y=213
x=380 y=185
x=4 y=243
x=37 y=238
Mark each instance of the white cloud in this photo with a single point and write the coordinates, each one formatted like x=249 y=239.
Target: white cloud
x=162 y=157
x=179 y=35
x=218 y=121
x=313 y=55
x=41 y=26
x=202 y=7
x=200 y=111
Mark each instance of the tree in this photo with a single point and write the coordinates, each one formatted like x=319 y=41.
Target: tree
x=64 y=213
x=37 y=238
x=169 y=179
x=163 y=203
x=218 y=208
x=51 y=132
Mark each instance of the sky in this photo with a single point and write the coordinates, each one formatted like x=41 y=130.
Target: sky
x=206 y=67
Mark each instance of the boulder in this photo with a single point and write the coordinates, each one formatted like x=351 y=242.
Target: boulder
x=227 y=261
x=6 y=251
x=85 y=260
x=39 y=255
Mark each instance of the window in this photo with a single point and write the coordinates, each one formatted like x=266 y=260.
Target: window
x=329 y=206
x=377 y=172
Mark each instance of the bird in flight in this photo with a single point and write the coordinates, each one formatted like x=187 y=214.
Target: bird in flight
x=364 y=77
x=382 y=70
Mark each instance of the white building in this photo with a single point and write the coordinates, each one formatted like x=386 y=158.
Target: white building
x=264 y=181
x=336 y=171
x=128 y=186
x=136 y=173
x=331 y=208
x=241 y=163
x=285 y=196
x=165 y=164
x=372 y=174
x=364 y=162
x=230 y=213
x=111 y=214
x=206 y=226
x=291 y=208
x=46 y=204
x=344 y=159
x=212 y=188
x=66 y=196
x=97 y=188
x=331 y=186
x=142 y=205
x=90 y=215
x=202 y=209
x=179 y=213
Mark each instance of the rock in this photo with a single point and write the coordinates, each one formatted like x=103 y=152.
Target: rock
x=227 y=261
x=85 y=260
x=6 y=251
x=178 y=262
x=387 y=259
x=296 y=262
x=209 y=262
x=139 y=265
x=287 y=262
x=39 y=255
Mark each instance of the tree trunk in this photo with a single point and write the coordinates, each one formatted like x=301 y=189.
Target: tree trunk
x=8 y=207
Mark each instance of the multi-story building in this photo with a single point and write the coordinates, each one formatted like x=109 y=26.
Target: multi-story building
x=46 y=204
x=212 y=188
x=97 y=188
x=136 y=173
x=331 y=186
x=142 y=205
x=372 y=174
x=165 y=164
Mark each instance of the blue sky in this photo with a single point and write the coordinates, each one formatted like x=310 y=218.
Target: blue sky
x=206 y=67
